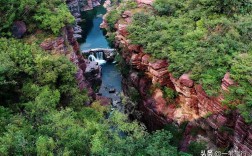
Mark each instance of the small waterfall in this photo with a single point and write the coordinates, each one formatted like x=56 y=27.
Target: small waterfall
x=99 y=55
x=98 y=58
x=91 y=57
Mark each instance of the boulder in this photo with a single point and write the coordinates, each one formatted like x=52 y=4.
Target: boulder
x=18 y=29
x=134 y=78
x=109 y=55
x=144 y=84
x=159 y=73
x=126 y=14
x=150 y=117
x=122 y=28
x=136 y=59
x=147 y=2
x=159 y=64
x=104 y=101
x=145 y=59
x=186 y=81
x=90 y=4
x=93 y=73
x=56 y=45
x=112 y=90
x=226 y=82
x=133 y=48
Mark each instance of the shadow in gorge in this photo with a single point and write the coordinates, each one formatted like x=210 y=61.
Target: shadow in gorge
x=92 y=35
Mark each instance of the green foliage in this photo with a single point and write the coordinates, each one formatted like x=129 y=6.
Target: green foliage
x=241 y=72
x=112 y=18
x=122 y=65
x=17 y=138
x=11 y=10
x=202 y=44
x=49 y=15
x=177 y=132
x=169 y=93
x=230 y=131
x=204 y=38
x=228 y=7
x=134 y=94
x=38 y=76
x=111 y=39
x=208 y=114
x=42 y=113
x=45 y=146
x=130 y=4
x=167 y=7
x=54 y=17
x=196 y=147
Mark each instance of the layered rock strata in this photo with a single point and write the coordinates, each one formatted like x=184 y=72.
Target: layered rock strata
x=82 y=5
x=192 y=104
x=90 y=4
x=88 y=73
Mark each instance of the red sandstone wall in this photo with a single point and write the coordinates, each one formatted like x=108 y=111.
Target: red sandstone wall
x=59 y=46
x=191 y=104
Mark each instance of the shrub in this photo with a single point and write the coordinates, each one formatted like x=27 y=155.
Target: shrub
x=195 y=148
x=48 y=15
x=112 y=18
x=167 y=7
x=169 y=93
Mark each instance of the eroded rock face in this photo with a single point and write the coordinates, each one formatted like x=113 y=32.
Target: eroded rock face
x=147 y=2
x=88 y=73
x=93 y=73
x=223 y=130
x=104 y=101
x=226 y=82
x=54 y=45
x=186 y=81
x=19 y=29
x=191 y=103
x=90 y=4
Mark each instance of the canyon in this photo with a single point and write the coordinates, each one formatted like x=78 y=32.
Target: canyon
x=222 y=127
x=154 y=100
x=88 y=72
x=206 y=115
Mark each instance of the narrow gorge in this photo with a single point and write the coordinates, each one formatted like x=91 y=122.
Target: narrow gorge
x=164 y=99
x=126 y=77
x=148 y=80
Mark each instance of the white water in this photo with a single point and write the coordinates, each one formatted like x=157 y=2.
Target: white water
x=99 y=58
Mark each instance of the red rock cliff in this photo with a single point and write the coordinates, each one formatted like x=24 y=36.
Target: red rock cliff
x=88 y=72
x=191 y=104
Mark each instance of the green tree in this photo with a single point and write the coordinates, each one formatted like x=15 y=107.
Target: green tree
x=53 y=17
x=196 y=147
x=48 y=15
x=48 y=116
x=167 y=7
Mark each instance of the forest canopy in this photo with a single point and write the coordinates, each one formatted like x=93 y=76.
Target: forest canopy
x=49 y=15
x=43 y=112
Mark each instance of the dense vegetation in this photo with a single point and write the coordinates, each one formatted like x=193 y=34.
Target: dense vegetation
x=203 y=38
x=42 y=110
x=48 y=15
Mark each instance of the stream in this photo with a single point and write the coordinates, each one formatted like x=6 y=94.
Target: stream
x=94 y=37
